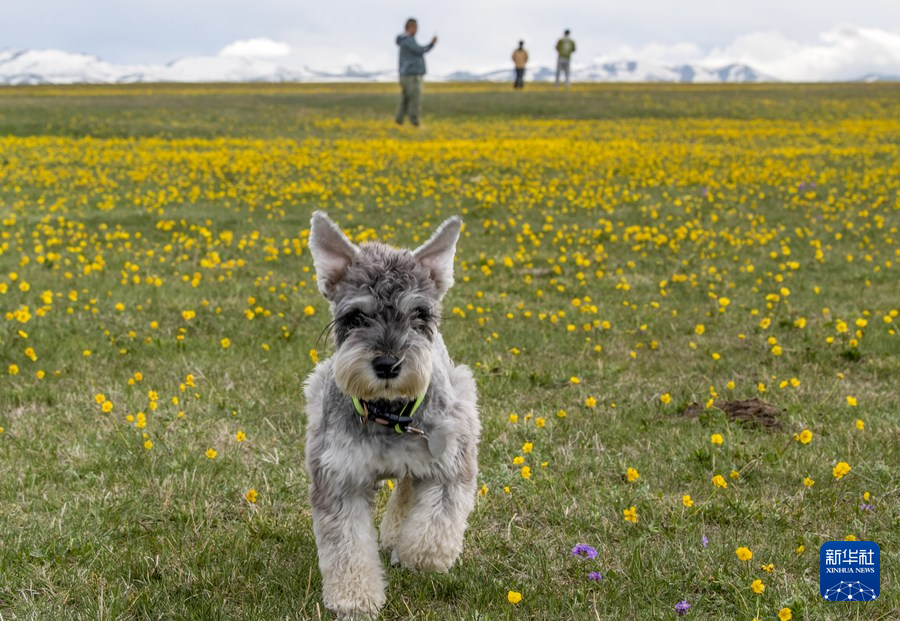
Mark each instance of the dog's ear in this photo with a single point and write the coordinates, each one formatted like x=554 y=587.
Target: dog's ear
x=437 y=253
x=332 y=252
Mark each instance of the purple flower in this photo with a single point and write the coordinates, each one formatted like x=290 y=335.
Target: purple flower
x=704 y=541
x=583 y=550
x=682 y=607
x=595 y=575
x=866 y=507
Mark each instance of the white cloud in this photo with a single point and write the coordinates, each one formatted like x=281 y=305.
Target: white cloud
x=256 y=48
x=655 y=52
x=843 y=53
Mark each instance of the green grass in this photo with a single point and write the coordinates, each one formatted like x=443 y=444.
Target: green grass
x=165 y=199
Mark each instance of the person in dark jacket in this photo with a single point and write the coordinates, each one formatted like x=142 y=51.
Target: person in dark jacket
x=412 y=68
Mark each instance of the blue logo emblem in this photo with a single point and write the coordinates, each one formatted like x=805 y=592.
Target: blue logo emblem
x=849 y=571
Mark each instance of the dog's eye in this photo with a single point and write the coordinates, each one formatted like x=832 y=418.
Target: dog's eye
x=420 y=318
x=354 y=319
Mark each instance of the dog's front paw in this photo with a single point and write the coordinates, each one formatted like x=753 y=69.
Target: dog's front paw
x=354 y=606
x=358 y=593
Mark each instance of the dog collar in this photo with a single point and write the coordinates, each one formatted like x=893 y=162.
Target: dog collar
x=400 y=421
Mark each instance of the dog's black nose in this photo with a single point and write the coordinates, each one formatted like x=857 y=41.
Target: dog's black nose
x=386 y=367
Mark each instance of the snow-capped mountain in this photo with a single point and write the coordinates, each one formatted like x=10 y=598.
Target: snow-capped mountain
x=646 y=71
x=879 y=77
x=59 y=67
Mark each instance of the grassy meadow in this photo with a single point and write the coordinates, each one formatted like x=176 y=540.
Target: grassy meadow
x=680 y=303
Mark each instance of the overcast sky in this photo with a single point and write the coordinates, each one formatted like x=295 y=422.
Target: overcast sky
x=789 y=39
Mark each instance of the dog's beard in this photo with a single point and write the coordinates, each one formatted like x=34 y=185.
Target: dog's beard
x=356 y=377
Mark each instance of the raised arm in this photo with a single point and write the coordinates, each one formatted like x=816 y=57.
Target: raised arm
x=409 y=44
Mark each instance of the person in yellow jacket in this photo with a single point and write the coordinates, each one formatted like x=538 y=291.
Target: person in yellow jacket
x=520 y=57
x=564 y=49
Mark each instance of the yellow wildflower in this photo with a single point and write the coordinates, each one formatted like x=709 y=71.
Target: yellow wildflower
x=841 y=469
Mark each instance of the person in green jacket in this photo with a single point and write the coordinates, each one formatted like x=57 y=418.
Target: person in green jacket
x=412 y=68
x=564 y=49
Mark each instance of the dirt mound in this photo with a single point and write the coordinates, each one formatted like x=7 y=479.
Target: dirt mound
x=753 y=411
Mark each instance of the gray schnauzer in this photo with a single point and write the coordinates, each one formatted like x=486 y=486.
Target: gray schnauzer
x=389 y=403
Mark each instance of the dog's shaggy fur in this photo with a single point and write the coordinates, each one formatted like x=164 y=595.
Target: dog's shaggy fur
x=386 y=305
